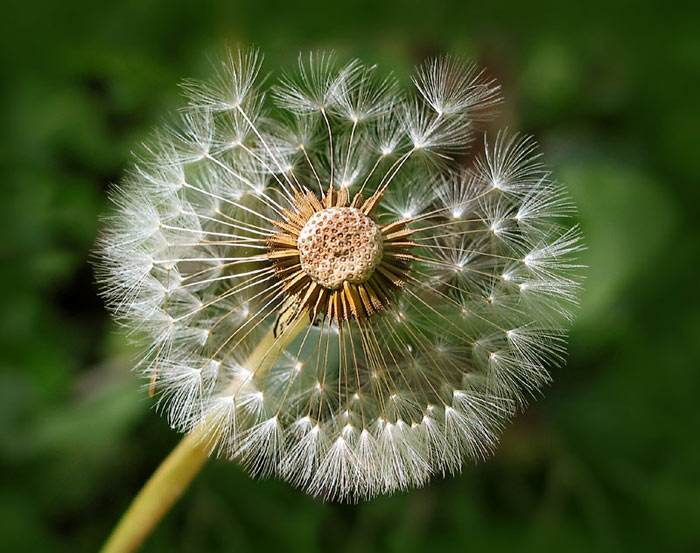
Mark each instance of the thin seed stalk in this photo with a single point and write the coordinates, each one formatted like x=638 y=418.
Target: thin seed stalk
x=179 y=468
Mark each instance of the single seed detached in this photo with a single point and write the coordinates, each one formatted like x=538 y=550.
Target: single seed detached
x=331 y=258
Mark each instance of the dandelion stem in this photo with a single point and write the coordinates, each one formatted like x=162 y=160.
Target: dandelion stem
x=179 y=468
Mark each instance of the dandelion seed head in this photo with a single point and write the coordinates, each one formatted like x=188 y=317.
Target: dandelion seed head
x=427 y=300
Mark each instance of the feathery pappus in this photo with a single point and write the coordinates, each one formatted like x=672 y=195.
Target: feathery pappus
x=330 y=281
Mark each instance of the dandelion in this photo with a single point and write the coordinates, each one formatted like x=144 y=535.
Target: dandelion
x=328 y=286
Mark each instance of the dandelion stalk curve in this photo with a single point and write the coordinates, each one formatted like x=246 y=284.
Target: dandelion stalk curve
x=176 y=472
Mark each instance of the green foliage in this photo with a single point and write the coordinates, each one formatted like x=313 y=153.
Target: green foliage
x=607 y=461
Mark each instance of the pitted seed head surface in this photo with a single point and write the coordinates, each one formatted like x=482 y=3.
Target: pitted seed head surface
x=340 y=244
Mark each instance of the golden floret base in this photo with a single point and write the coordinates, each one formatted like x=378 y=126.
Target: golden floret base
x=333 y=256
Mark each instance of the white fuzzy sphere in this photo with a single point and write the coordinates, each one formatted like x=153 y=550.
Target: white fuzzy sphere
x=350 y=408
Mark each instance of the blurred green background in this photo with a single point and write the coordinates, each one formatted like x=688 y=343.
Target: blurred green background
x=608 y=460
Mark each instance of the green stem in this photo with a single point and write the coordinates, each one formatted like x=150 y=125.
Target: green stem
x=179 y=468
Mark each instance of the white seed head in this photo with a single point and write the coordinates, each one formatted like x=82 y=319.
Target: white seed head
x=433 y=298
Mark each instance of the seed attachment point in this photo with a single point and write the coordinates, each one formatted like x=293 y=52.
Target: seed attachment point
x=340 y=244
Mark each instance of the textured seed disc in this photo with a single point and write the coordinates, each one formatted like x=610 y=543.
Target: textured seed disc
x=340 y=244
